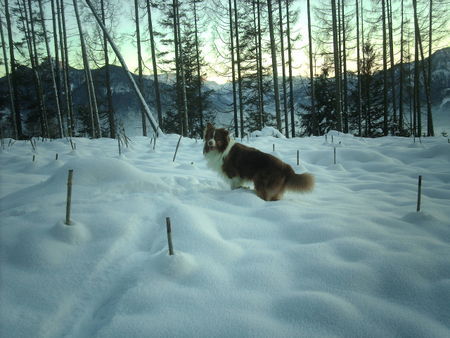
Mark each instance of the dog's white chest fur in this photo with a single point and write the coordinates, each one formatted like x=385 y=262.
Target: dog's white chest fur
x=214 y=160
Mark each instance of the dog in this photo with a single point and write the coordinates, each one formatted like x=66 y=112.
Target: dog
x=238 y=164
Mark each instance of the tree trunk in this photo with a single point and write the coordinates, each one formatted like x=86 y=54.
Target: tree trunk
x=311 y=70
x=154 y=66
x=274 y=66
x=239 y=75
x=95 y=126
x=291 y=82
x=60 y=67
x=344 y=69
x=337 y=71
x=260 y=74
x=199 y=78
x=283 y=64
x=57 y=59
x=179 y=61
x=110 y=107
x=12 y=60
x=400 y=106
x=256 y=24
x=392 y=70
x=32 y=48
x=139 y=56
x=358 y=65
x=10 y=88
x=417 y=113
x=66 y=74
x=52 y=71
x=385 y=84
x=233 y=74
x=430 y=127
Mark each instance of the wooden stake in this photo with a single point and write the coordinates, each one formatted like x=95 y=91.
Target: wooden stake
x=34 y=157
x=176 y=150
x=169 y=235
x=274 y=147
x=56 y=157
x=120 y=149
x=419 y=193
x=298 y=157
x=334 y=155
x=69 y=196
x=33 y=144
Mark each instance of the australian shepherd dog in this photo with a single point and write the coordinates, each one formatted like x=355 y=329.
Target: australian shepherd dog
x=239 y=163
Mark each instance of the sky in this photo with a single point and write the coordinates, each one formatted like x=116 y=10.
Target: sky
x=128 y=49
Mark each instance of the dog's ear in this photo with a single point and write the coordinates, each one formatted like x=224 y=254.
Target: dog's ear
x=209 y=126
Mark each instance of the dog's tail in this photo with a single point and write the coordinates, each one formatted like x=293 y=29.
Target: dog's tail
x=300 y=182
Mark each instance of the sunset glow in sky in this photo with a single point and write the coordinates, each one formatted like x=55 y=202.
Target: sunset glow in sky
x=125 y=26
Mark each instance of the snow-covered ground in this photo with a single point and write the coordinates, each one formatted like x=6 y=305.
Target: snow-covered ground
x=351 y=259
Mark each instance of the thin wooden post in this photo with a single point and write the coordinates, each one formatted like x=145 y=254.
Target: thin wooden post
x=69 y=196
x=56 y=157
x=298 y=157
x=274 y=147
x=334 y=155
x=34 y=157
x=118 y=142
x=169 y=235
x=176 y=150
x=419 y=193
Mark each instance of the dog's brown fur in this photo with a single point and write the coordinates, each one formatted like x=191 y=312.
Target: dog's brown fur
x=270 y=176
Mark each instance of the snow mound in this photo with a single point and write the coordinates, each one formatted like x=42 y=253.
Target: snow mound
x=75 y=233
x=267 y=131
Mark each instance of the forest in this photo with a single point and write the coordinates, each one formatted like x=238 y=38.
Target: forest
x=367 y=64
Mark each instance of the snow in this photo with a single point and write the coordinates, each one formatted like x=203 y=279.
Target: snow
x=352 y=258
x=267 y=131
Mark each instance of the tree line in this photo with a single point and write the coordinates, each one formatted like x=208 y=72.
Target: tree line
x=370 y=64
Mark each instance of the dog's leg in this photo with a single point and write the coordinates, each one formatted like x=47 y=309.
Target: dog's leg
x=260 y=188
x=269 y=188
x=236 y=182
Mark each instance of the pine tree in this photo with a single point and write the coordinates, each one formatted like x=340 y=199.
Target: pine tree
x=321 y=118
x=372 y=103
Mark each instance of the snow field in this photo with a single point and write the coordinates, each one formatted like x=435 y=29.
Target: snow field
x=352 y=258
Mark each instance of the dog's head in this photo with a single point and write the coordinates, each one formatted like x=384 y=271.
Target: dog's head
x=215 y=139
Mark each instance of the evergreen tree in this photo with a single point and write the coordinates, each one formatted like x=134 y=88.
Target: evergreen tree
x=321 y=118
x=372 y=99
